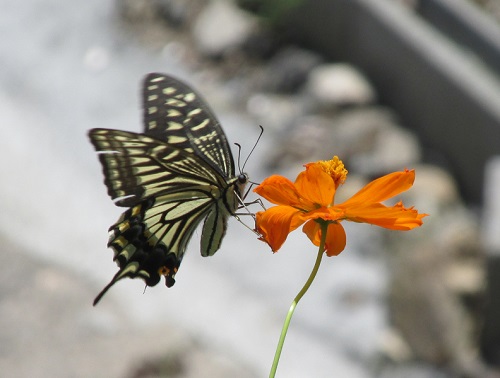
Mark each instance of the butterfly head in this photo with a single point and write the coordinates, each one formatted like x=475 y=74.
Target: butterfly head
x=242 y=179
x=241 y=182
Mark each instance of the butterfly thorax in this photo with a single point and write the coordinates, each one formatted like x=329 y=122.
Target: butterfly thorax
x=238 y=192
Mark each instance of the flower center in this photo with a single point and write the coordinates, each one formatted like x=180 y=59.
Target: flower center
x=335 y=169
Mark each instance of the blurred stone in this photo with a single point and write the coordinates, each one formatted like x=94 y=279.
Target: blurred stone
x=262 y=44
x=392 y=148
x=394 y=346
x=158 y=22
x=356 y=132
x=491 y=234
x=306 y=139
x=135 y=10
x=491 y=215
x=410 y=4
x=288 y=70
x=191 y=360
x=430 y=315
x=492 y=7
x=175 y=13
x=413 y=370
x=435 y=191
x=340 y=84
x=438 y=278
x=276 y=112
x=222 y=27
x=367 y=139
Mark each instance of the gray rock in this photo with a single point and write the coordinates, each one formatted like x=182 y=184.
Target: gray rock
x=288 y=70
x=392 y=149
x=276 y=112
x=373 y=142
x=222 y=27
x=438 y=277
x=491 y=217
x=155 y=22
x=340 y=84
x=307 y=139
x=367 y=139
x=434 y=190
x=414 y=370
x=175 y=13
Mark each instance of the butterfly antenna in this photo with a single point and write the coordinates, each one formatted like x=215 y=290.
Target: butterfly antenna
x=255 y=145
x=239 y=157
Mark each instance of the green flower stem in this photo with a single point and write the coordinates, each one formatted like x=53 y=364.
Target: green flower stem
x=296 y=300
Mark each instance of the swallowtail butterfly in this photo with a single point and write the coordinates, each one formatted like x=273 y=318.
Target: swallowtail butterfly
x=171 y=177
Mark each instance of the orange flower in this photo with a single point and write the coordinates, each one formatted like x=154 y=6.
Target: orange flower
x=310 y=200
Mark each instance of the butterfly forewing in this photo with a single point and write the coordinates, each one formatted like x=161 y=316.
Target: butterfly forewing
x=136 y=167
x=177 y=173
x=175 y=113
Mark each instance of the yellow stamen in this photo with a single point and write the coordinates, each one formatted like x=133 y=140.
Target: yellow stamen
x=335 y=168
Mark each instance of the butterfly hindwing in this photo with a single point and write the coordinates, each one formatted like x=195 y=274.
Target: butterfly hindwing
x=150 y=238
x=179 y=172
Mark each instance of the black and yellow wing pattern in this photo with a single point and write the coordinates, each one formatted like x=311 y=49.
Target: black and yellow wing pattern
x=171 y=177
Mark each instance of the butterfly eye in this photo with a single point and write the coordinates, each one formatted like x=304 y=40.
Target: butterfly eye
x=243 y=178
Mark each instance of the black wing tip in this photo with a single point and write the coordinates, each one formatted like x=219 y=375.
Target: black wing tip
x=166 y=78
x=96 y=135
x=91 y=135
x=155 y=74
x=96 y=130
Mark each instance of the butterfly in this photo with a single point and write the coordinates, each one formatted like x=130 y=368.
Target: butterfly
x=171 y=177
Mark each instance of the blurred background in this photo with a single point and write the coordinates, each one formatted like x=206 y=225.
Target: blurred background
x=383 y=84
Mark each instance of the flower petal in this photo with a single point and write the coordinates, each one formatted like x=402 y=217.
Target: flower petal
x=313 y=231
x=330 y=214
x=281 y=191
x=382 y=188
x=316 y=185
x=335 y=236
x=276 y=223
x=396 y=217
x=335 y=239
